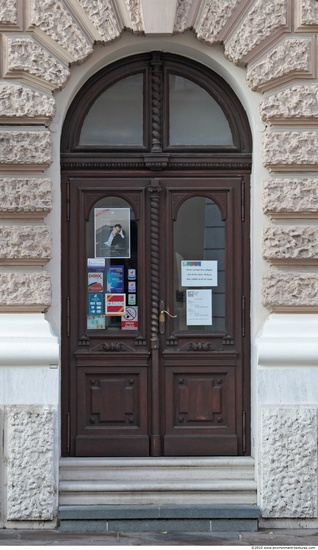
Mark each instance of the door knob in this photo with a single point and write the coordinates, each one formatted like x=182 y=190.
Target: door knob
x=162 y=315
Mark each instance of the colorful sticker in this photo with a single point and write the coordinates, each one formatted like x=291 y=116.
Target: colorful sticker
x=132 y=274
x=95 y=281
x=132 y=299
x=115 y=278
x=131 y=286
x=129 y=321
x=95 y=304
x=96 y=322
x=115 y=304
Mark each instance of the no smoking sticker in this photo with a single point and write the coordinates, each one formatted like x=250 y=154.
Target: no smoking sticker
x=129 y=320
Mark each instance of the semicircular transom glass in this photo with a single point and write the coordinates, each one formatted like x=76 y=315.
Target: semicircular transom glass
x=195 y=118
x=116 y=117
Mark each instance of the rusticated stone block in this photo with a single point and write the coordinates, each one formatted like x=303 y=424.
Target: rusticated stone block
x=52 y=17
x=8 y=12
x=264 y=18
x=290 y=58
x=26 y=148
x=291 y=196
x=17 y=101
x=31 y=484
x=291 y=149
x=291 y=243
x=104 y=18
x=25 y=55
x=25 y=291
x=293 y=290
x=297 y=102
x=134 y=10
x=31 y=243
x=24 y=196
x=214 y=16
x=289 y=462
x=308 y=12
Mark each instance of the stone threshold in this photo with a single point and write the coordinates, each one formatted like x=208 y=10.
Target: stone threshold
x=210 y=518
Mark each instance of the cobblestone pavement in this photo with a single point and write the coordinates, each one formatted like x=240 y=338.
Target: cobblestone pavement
x=306 y=538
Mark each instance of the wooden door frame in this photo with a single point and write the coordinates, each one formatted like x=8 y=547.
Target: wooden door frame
x=151 y=161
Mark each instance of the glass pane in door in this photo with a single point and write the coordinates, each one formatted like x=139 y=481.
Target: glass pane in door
x=116 y=117
x=199 y=282
x=195 y=116
x=111 y=265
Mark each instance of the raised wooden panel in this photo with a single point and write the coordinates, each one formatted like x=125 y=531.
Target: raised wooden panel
x=200 y=410
x=112 y=399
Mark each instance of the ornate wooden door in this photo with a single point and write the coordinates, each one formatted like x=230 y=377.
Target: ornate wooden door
x=155 y=263
x=155 y=329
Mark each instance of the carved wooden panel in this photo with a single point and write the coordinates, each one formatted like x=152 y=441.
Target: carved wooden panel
x=112 y=403
x=200 y=410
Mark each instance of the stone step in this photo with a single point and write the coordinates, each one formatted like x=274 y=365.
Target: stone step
x=163 y=518
x=157 y=481
x=154 y=469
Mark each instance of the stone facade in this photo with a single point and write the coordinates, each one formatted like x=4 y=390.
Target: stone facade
x=275 y=46
x=287 y=473
x=31 y=483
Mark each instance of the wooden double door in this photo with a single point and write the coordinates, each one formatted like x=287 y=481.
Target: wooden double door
x=155 y=315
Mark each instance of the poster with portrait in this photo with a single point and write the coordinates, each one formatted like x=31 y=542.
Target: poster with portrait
x=112 y=232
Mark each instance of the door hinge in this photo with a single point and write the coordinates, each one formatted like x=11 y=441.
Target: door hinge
x=68 y=313
x=68 y=433
x=68 y=202
x=243 y=315
x=244 y=431
x=243 y=200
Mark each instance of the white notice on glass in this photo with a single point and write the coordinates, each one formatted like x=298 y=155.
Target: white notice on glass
x=199 y=307
x=199 y=273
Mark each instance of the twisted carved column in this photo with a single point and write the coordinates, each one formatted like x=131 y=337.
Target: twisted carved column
x=154 y=192
x=156 y=103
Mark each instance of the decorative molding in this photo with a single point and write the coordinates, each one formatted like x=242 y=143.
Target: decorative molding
x=295 y=105
x=27 y=341
x=291 y=197
x=26 y=59
x=213 y=19
x=55 y=21
x=291 y=243
x=22 y=245
x=265 y=21
x=20 y=292
x=156 y=64
x=289 y=477
x=20 y=104
x=25 y=197
x=158 y=164
x=200 y=346
x=290 y=291
x=31 y=483
x=289 y=59
x=23 y=150
x=112 y=346
x=286 y=150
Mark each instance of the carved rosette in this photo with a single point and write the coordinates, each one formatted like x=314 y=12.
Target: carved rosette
x=154 y=192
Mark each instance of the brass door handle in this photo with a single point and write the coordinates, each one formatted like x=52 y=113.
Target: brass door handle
x=162 y=320
x=163 y=311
